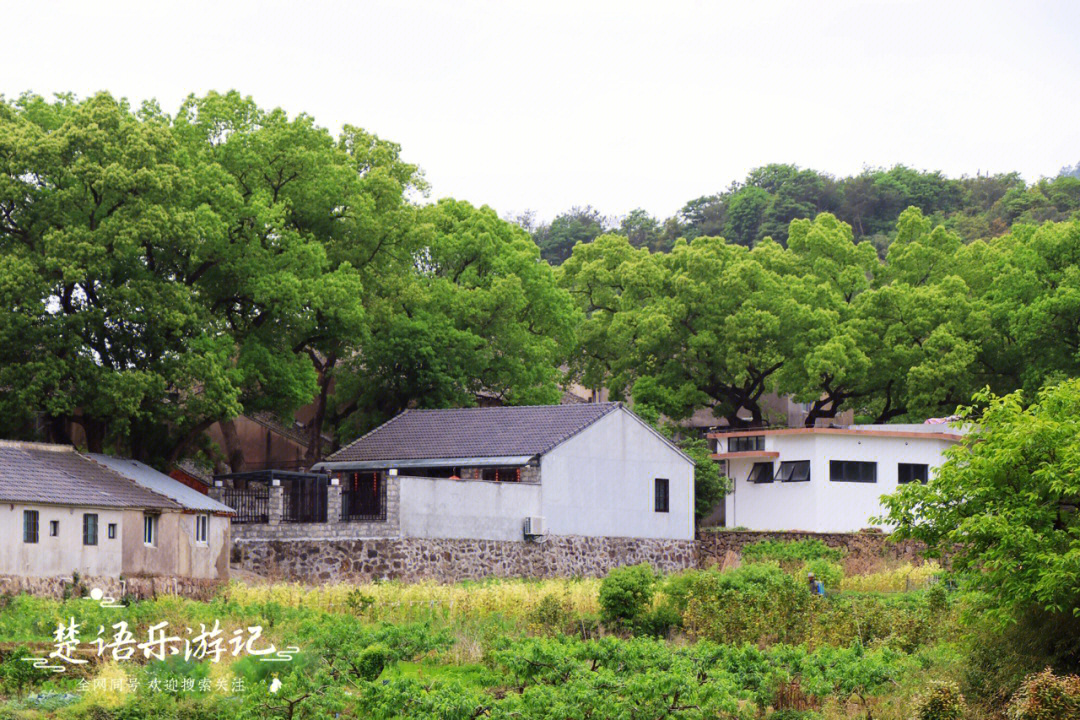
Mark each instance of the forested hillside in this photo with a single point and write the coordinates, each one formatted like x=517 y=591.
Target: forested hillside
x=772 y=196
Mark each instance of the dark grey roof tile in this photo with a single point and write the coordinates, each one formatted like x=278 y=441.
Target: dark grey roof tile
x=473 y=432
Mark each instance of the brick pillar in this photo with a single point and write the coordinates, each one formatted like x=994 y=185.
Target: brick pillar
x=333 y=502
x=393 y=502
x=277 y=504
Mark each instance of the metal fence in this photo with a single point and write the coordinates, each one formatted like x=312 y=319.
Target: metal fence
x=252 y=505
x=361 y=506
x=305 y=500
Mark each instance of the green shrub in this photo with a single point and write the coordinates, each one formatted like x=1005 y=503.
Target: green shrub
x=626 y=594
x=17 y=675
x=551 y=615
x=942 y=702
x=790 y=551
x=1046 y=696
x=757 y=603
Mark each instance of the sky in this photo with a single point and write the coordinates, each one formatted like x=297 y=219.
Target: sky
x=546 y=105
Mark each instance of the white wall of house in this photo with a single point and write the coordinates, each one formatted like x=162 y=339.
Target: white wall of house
x=65 y=553
x=443 y=508
x=824 y=505
x=601 y=483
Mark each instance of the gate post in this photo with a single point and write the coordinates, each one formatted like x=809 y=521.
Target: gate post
x=333 y=501
x=277 y=502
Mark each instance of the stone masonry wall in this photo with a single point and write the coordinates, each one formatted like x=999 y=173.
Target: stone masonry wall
x=864 y=549
x=140 y=588
x=411 y=559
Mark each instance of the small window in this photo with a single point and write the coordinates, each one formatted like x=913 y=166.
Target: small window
x=852 y=471
x=202 y=523
x=746 y=444
x=110 y=531
x=794 y=471
x=150 y=530
x=54 y=528
x=661 y=499
x=30 y=526
x=761 y=473
x=89 y=529
x=910 y=472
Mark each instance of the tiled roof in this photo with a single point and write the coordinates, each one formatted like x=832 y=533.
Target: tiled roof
x=149 y=478
x=473 y=432
x=56 y=474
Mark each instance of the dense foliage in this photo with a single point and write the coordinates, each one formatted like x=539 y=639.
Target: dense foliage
x=165 y=272
x=763 y=205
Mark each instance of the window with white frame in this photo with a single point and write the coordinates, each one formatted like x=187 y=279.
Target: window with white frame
x=150 y=523
x=202 y=528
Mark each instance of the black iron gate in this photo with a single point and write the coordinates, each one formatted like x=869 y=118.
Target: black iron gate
x=305 y=499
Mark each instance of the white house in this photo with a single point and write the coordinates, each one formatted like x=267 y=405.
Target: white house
x=63 y=512
x=824 y=479
x=518 y=473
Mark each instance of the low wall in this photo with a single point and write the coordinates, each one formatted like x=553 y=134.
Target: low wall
x=446 y=560
x=864 y=549
x=139 y=588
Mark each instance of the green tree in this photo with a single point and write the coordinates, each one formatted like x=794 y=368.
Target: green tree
x=579 y=225
x=1004 y=504
x=476 y=314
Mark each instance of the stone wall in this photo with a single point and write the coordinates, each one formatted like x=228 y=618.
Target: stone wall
x=139 y=588
x=864 y=549
x=411 y=559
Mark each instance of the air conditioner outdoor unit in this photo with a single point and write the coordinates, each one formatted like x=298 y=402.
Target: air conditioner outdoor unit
x=534 y=527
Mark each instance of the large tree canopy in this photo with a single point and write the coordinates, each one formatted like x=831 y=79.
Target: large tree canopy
x=163 y=273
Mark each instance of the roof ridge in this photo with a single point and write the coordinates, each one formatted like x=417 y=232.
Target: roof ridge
x=31 y=444
x=477 y=408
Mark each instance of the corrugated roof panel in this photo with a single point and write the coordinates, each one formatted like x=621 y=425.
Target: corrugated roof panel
x=149 y=478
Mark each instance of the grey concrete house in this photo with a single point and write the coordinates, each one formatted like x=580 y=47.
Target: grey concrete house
x=63 y=512
x=516 y=473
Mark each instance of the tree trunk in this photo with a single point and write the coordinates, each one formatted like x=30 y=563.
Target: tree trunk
x=233 y=452
x=315 y=427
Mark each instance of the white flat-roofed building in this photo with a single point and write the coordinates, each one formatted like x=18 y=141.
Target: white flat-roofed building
x=824 y=479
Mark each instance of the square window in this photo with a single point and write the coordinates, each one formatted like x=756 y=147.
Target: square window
x=30 y=526
x=761 y=473
x=661 y=494
x=912 y=472
x=794 y=471
x=89 y=529
x=110 y=531
x=54 y=528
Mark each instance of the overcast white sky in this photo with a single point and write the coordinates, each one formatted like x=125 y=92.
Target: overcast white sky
x=549 y=104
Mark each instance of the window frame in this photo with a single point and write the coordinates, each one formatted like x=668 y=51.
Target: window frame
x=150 y=530
x=202 y=529
x=90 y=522
x=54 y=528
x=110 y=531
x=661 y=495
x=845 y=474
x=746 y=443
x=790 y=471
x=753 y=476
x=911 y=476
x=31 y=525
